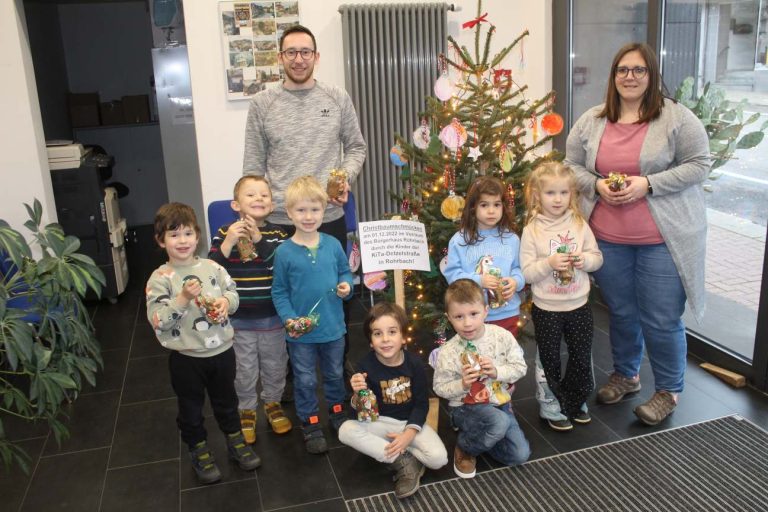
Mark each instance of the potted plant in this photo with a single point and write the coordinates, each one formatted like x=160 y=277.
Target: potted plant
x=724 y=120
x=48 y=348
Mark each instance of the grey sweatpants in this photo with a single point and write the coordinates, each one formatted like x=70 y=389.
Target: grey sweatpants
x=260 y=354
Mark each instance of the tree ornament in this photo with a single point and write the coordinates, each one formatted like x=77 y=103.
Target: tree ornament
x=421 y=136
x=552 y=123
x=475 y=153
x=397 y=156
x=502 y=79
x=511 y=197
x=452 y=207
x=534 y=126
x=472 y=23
x=505 y=158
x=375 y=280
x=454 y=135
x=354 y=258
x=444 y=89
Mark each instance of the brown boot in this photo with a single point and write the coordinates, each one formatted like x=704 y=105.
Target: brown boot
x=463 y=463
x=408 y=472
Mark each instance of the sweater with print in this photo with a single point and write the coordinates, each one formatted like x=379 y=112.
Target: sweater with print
x=401 y=391
x=493 y=249
x=186 y=328
x=290 y=134
x=496 y=343
x=544 y=236
x=252 y=278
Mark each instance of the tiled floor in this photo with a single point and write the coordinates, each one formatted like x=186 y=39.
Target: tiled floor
x=124 y=453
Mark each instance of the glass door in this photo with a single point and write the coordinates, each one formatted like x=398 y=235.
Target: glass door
x=724 y=44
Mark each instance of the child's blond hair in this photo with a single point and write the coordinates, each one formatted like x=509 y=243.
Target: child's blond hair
x=533 y=188
x=243 y=179
x=305 y=188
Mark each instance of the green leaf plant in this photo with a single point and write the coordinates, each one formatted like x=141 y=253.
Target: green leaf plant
x=723 y=120
x=48 y=348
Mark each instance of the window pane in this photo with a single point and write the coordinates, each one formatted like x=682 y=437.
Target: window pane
x=725 y=44
x=599 y=30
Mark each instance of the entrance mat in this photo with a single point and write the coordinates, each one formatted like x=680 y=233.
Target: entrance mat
x=716 y=465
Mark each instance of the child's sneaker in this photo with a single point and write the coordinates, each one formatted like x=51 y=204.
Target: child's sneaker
x=242 y=453
x=563 y=425
x=277 y=418
x=582 y=417
x=204 y=464
x=248 y=425
x=337 y=416
x=314 y=439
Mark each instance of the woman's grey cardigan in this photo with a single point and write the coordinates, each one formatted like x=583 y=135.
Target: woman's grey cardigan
x=675 y=159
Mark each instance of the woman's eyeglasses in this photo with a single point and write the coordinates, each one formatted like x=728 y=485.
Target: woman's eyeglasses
x=291 y=53
x=638 y=72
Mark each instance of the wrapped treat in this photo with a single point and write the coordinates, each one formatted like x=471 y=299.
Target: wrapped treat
x=616 y=181
x=471 y=357
x=302 y=324
x=206 y=303
x=337 y=183
x=564 y=277
x=367 y=406
x=496 y=299
x=247 y=249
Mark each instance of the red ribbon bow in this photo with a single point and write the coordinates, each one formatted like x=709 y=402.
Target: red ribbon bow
x=472 y=23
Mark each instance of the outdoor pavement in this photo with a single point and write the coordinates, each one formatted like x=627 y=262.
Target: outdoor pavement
x=734 y=258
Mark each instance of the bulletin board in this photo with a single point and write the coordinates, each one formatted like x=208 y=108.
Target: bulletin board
x=250 y=33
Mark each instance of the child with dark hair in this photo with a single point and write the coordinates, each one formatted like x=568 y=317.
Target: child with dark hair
x=399 y=437
x=189 y=300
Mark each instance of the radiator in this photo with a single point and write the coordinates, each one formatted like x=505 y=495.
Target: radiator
x=391 y=63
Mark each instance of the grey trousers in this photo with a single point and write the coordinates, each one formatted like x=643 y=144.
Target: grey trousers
x=260 y=354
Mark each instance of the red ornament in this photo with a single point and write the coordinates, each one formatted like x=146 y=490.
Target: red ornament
x=552 y=123
x=511 y=196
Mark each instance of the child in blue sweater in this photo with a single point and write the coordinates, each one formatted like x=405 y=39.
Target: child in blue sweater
x=486 y=250
x=311 y=276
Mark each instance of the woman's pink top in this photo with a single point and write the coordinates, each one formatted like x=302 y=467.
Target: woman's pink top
x=630 y=223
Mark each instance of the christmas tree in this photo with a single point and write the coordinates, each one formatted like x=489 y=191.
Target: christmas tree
x=480 y=123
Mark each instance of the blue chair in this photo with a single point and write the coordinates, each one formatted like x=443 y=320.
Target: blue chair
x=219 y=214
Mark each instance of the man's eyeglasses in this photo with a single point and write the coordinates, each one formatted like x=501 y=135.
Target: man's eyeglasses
x=638 y=72
x=291 y=53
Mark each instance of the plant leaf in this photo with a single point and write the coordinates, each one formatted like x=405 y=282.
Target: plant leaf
x=750 y=140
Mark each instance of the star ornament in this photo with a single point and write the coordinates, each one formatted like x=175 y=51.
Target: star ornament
x=474 y=153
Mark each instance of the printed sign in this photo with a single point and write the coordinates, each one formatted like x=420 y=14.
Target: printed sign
x=393 y=245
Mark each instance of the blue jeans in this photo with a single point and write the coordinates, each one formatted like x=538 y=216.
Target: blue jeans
x=646 y=301
x=304 y=358
x=487 y=428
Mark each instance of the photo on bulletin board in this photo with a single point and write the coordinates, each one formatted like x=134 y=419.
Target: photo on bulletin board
x=250 y=34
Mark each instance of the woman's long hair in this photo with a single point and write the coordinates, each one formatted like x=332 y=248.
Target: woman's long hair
x=653 y=99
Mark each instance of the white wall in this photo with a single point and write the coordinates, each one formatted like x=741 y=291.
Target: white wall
x=23 y=160
x=220 y=124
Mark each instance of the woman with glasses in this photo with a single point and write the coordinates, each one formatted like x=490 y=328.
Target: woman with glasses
x=650 y=224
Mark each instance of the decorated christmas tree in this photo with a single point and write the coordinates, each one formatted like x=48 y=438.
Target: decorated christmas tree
x=480 y=122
